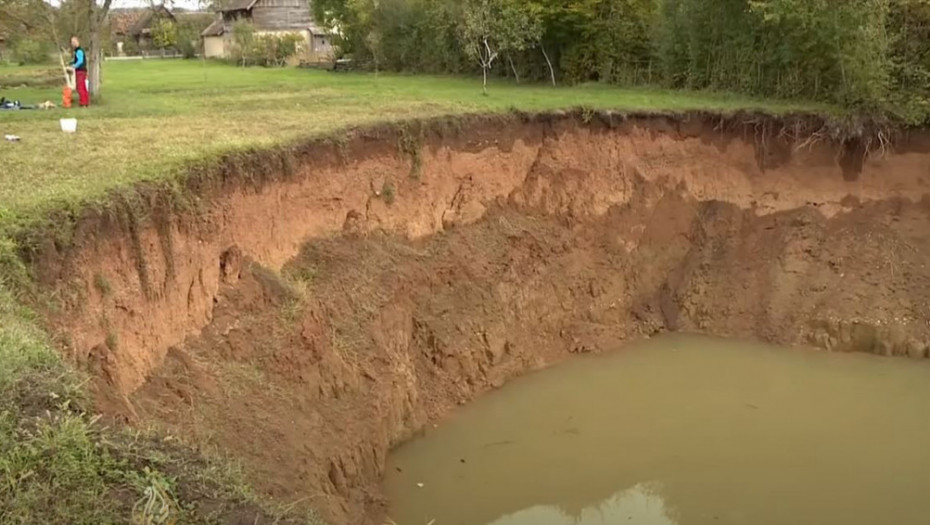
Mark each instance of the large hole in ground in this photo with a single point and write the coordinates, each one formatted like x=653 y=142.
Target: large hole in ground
x=313 y=374
x=313 y=359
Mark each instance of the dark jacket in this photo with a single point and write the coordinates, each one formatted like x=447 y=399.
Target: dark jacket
x=79 y=59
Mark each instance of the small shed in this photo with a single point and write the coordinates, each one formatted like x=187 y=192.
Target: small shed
x=321 y=42
x=214 y=45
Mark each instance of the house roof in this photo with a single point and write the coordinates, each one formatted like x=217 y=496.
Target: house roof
x=319 y=31
x=214 y=29
x=144 y=23
x=238 y=5
x=122 y=20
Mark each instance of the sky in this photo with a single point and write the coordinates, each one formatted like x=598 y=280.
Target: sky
x=186 y=4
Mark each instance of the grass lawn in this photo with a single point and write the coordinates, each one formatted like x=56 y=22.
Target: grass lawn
x=28 y=76
x=158 y=114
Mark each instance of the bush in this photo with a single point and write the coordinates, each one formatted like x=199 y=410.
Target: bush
x=187 y=47
x=29 y=51
x=274 y=50
x=189 y=28
x=131 y=47
x=263 y=50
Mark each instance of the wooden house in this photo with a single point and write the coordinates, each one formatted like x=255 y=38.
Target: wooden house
x=141 y=30
x=267 y=17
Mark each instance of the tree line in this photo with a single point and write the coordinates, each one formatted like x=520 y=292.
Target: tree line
x=869 y=54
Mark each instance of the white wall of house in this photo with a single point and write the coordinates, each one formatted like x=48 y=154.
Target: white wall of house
x=214 y=47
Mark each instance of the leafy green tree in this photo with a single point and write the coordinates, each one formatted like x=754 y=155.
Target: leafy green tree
x=350 y=22
x=243 y=41
x=492 y=27
x=822 y=47
x=164 y=33
x=189 y=27
x=612 y=40
x=909 y=33
x=560 y=28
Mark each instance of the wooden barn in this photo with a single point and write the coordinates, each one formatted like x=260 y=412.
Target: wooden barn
x=141 y=29
x=267 y=17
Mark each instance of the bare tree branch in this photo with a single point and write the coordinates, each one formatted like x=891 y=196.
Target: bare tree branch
x=103 y=11
x=9 y=14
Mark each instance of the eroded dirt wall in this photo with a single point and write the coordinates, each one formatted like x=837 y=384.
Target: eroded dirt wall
x=133 y=291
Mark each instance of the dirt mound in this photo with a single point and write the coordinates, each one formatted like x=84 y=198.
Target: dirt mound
x=441 y=266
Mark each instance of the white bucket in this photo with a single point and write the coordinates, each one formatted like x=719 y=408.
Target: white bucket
x=69 y=125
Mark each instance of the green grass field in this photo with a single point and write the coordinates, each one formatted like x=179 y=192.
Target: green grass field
x=157 y=115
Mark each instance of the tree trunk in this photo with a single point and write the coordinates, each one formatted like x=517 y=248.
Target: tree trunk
x=96 y=57
x=486 y=64
x=98 y=17
x=548 y=63
x=514 y=69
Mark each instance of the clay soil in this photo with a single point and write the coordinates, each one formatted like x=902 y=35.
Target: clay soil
x=310 y=379
x=304 y=328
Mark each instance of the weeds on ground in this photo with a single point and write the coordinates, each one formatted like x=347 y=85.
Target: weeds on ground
x=61 y=465
x=102 y=284
x=52 y=467
x=409 y=143
x=388 y=193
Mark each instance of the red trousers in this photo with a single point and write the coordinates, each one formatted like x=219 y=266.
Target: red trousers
x=80 y=78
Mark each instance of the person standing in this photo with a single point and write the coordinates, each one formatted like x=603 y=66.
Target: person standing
x=79 y=65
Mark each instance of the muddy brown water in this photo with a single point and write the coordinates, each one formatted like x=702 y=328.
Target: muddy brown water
x=681 y=430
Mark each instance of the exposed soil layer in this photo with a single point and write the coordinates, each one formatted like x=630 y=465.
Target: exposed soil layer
x=433 y=272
